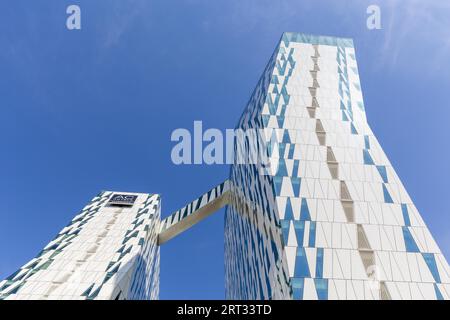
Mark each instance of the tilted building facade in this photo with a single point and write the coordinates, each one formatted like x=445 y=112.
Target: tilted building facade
x=330 y=219
x=108 y=251
x=320 y=215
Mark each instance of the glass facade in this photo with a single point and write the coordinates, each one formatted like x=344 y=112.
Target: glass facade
x=333 y=218
x=106 y=252
x=325 y=218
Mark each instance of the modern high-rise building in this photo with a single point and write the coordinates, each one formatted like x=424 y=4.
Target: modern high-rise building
x=330 y=219
x=108 y=251
x=321 y=215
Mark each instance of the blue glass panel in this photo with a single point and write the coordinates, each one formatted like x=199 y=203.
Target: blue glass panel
x=321 y=288
x=274 y=250
x=387 y=196
x=353 y=129
x=283 y=110
x=304 y=211
x=275 y=90
x=438 y=293
x=296 y=186
x=319 y=263
x=295 y=169
x=285 y=230
x=366 y=142
x=344 y=116
x=301 y=265
x=406 y=215
x=276 y=102
x=277 y=181
x=291 y=151
x=299 y=227
x=367 y=157
x=281 y=148
x=312 y=234
x=286 y=138
x=286 y=96
x=280 y=121
x=272 y=109
x=341 y=92
x=431 y=263
x=350 y=114
x=383 y=173
x=288 y=215
x=297 y=288
x=269 y=146
x=87 y=291
x=410 y=244
x=282 y=171
x=274 y=79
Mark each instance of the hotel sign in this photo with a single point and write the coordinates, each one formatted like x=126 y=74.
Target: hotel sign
x=122 y=199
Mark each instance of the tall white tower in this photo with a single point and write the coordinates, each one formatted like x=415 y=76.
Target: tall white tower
x=108 y=251
x=332 y=220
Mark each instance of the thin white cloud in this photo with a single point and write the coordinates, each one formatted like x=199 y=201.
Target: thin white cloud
x=123 y=13
x=416 y=26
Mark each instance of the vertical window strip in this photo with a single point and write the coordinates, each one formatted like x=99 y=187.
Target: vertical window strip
x=319 y=263
x=406 y=215
x=410 y=244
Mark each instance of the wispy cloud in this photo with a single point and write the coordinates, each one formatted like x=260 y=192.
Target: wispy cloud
x=123 y=14
x=416 y=26
x=254 y=14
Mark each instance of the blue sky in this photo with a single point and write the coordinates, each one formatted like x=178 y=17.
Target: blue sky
x=91 y=110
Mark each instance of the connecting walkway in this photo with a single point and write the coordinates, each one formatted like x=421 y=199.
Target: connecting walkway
x=194 y=212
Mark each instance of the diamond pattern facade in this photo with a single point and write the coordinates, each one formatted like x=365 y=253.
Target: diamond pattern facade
x=106 y=252
x=332 y=220
x=326 y=218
